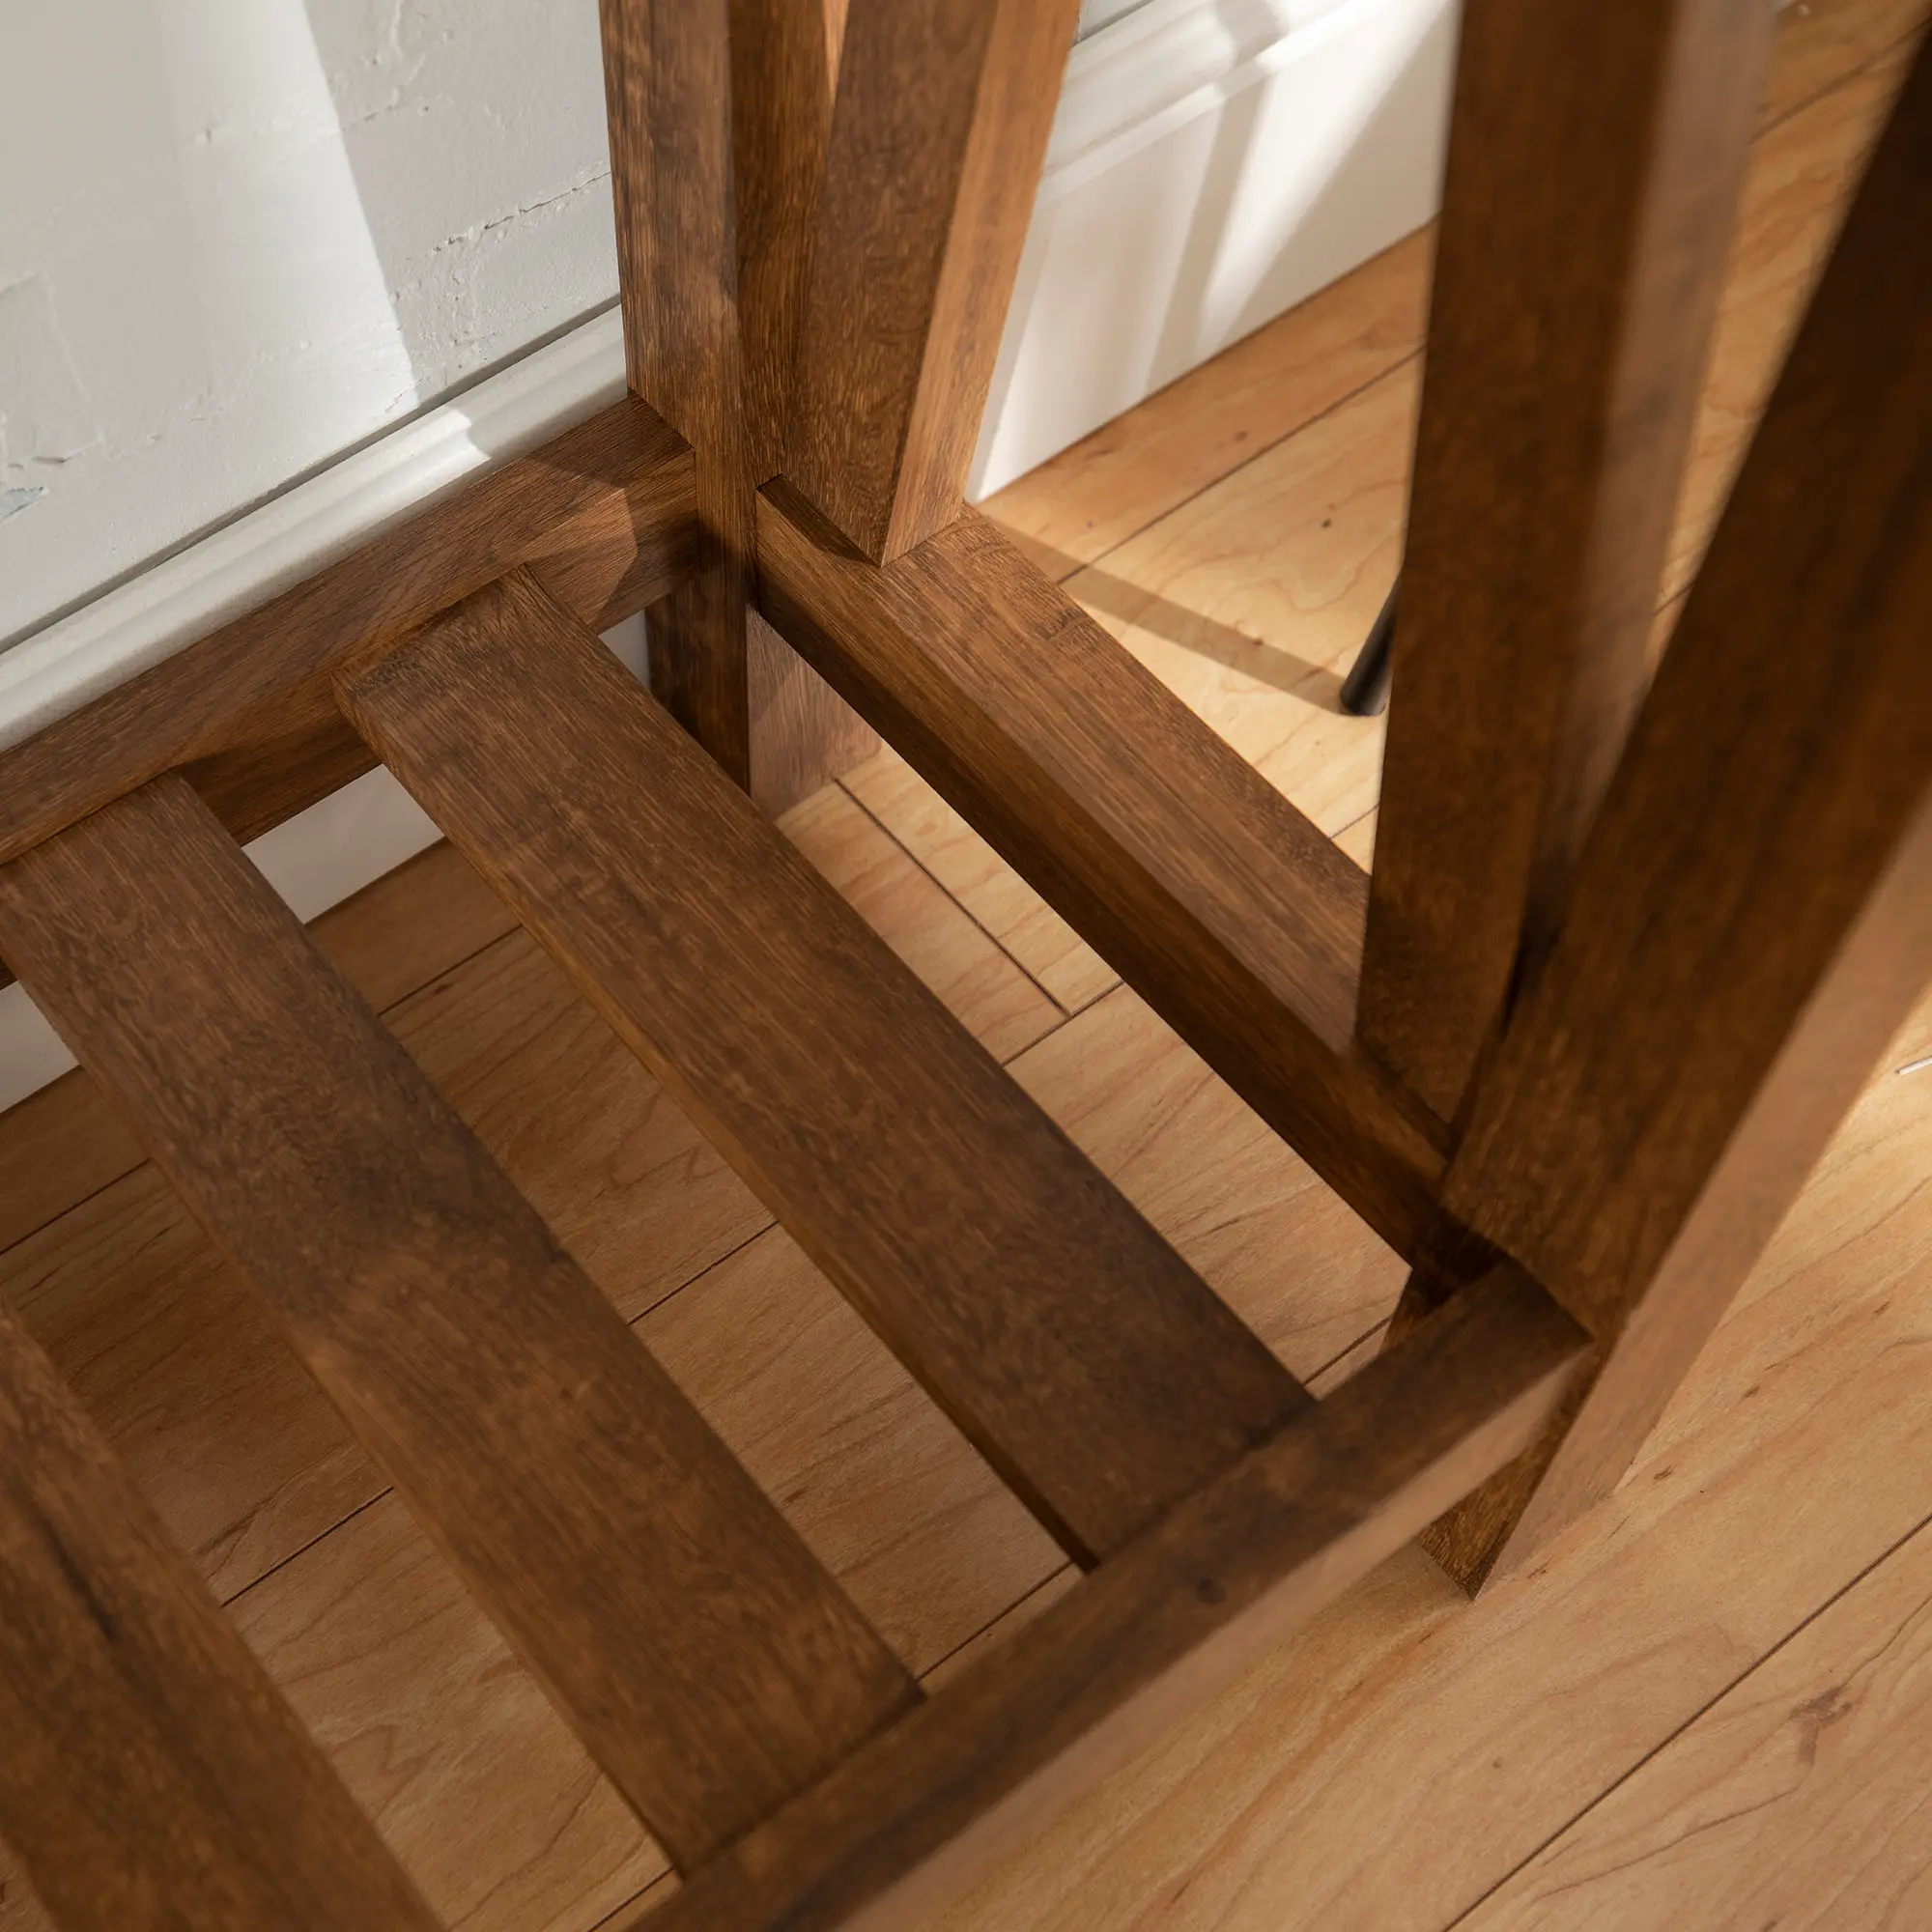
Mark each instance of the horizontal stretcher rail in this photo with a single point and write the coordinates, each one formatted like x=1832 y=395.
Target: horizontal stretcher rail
x=706 y=1658
x=1237 y=920
x=1075 y=1348
x=908 y=1819
x=601 y=515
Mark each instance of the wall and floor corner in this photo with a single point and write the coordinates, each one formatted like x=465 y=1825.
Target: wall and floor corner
x=272 y=275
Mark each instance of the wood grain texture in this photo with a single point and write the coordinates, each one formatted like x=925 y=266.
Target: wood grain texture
x=785 y=56
x=602 y=515
x=150 y=1775
x=417 y=923
x=804 y=735
x=1403 y=1753
x=990 y=1758
x=245 y=1461
x=991 y=997
x=1390 y=1766
x=1237 y=920
x=1794 y=198
x=1070 y=1344
x=1797 y=1800
x=395 y=935
x=1562 y=382
x=709 y=1664
x=492 y=1805
x=938 y=134
x=976 y=877
x=668 y=83
x=1752 y=919
x=1828 y=41
x=718 y=115
x=1250 y=602
x=1109 y=486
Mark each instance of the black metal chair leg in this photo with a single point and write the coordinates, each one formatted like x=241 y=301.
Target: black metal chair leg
x=1365 y=691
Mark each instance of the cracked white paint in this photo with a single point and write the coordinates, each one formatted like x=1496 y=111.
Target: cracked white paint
x=241 y=237
x=46 y=419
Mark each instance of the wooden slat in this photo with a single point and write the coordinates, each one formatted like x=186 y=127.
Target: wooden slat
x=1072 y=1346
x=1230 y=913
x=601 y=515
x=938 y=134
x=1752 y=916
x=150 y=1774
x=668 y=82
x=990 y=1758
x=784 y=55
x=709 y=1662
x=718 y=115
x=1562 y=381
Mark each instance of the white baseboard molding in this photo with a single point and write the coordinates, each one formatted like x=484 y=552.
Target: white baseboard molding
x=1211 y=166
x=1212 y=163
x=354 y=837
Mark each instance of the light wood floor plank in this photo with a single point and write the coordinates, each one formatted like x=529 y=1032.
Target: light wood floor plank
x=1802 y=1799
x=1793 y=199
x=1250 y=598
x=1110 y=485
x=1079 y=504
x=971 y=872
x=536 y=1839
x=1394 y=1761
x=998 y=1002
x=1821 y=42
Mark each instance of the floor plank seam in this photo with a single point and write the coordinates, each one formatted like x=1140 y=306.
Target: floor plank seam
x=1710 y=1704
x=926 y=871
x=1252 y=457
x=993 y=1622
x=1845 y=79
x=73 y=1206
x=385 y=1014
x=281 y=1563
x=1315 y=1373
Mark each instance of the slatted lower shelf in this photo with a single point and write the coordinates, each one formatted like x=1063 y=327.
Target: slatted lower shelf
x=1086 y=1360
x=734 y=1696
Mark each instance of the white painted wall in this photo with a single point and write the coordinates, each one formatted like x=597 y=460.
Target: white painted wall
x=1214 y=162
x=238 y=237
x=1098 y=14
x=241 y=238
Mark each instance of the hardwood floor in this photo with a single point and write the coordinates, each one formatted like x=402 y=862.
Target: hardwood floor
x=1704 y=1706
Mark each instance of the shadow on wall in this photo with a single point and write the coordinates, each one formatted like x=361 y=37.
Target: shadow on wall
x=238 y=237
x=476 y=140
x=1244 y=184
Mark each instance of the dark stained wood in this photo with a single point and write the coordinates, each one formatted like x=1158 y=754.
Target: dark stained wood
x=719 y=112
x=66 y=1141
x=1595 y=160
x=1072 y=1346
x=938 y=134
x=784 y=60
x=804 y=735
x=603 y=516
x=668 y=86
x=151 y=1775
x=1753 y=916
x=1230 y=915
x=706 y=1660
x=989 y=1759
